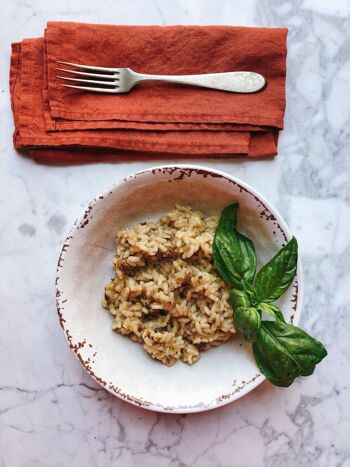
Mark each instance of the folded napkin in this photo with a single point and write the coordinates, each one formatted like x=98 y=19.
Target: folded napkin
x=61 y=125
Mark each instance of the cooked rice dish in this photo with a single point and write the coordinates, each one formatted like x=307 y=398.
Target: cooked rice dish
x=166 y=293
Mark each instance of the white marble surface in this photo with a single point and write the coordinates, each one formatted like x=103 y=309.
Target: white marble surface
x=51 y=413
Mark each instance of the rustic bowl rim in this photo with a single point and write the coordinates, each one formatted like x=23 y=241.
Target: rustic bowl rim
x=250 y=385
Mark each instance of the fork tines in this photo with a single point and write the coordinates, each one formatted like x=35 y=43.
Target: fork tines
x=110 y=77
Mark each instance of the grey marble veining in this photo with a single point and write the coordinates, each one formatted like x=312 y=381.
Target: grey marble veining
x=51 y=413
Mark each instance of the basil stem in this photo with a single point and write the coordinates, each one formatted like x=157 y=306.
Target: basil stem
x=272 y=310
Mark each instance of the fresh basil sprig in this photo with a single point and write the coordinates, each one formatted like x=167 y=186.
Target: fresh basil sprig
x=282 y=351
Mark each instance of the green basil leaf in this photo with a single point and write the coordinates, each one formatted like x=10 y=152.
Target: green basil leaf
x=275 y=277
x=248 y=257
x=247 y=321
x=273 y=362
x=283 y=352
x=229 y=216
x=233 y=253
x=272 y=310
x=220 y=265
x=239 y=298
x=306 y=350
x=223 y=262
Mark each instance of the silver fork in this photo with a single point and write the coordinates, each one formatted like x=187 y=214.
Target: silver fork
x=120 y=80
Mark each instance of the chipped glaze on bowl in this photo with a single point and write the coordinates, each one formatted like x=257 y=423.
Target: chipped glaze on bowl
x=223 y=374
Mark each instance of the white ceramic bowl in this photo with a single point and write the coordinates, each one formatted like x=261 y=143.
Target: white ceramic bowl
x=222 y=374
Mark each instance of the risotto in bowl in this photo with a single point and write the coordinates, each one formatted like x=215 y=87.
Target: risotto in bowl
x=166 y=292
x=140 y=301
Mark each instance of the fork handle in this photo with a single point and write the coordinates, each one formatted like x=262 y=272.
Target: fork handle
x=236 y=81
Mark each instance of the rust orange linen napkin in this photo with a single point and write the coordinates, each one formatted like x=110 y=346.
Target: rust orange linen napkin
x=62 y=125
